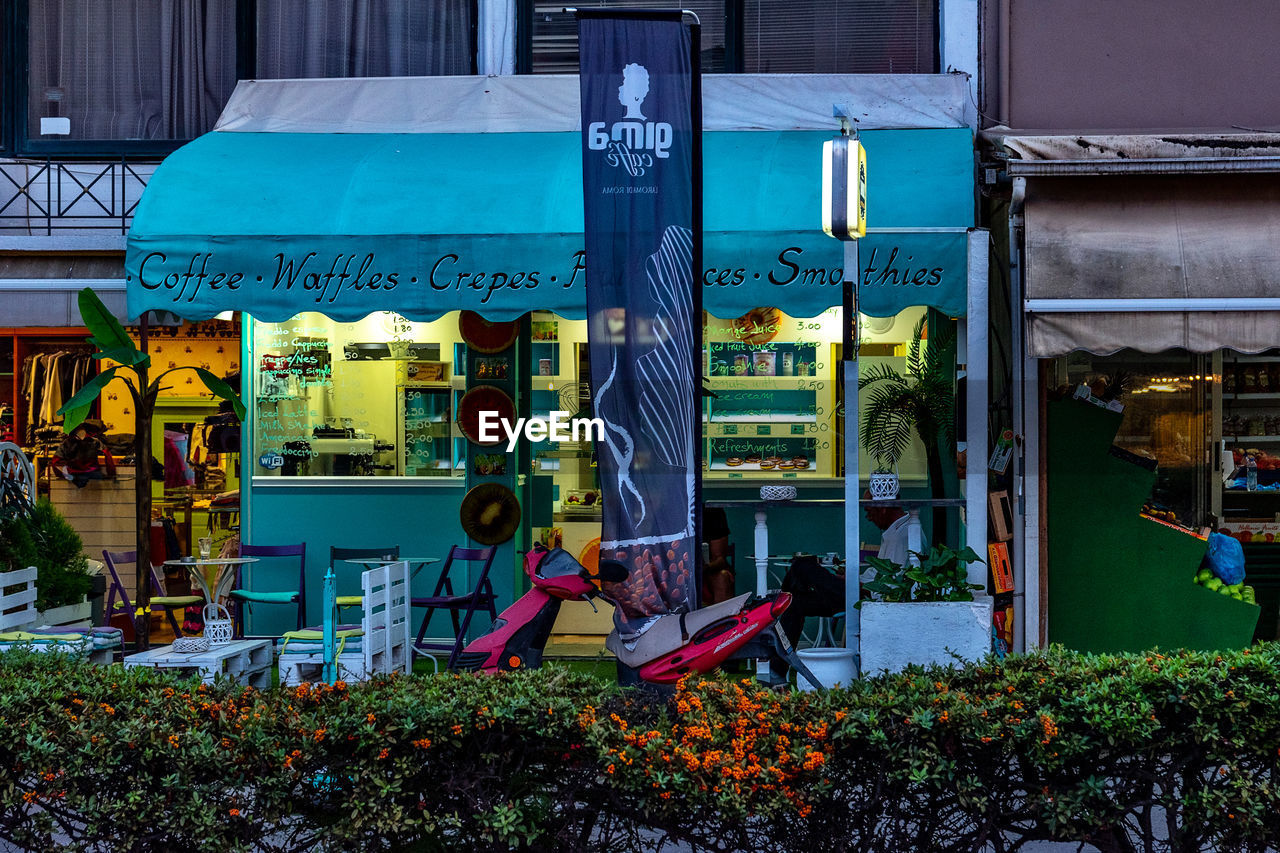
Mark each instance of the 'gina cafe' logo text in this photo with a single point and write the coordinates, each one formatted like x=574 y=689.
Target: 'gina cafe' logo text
x=630 y=141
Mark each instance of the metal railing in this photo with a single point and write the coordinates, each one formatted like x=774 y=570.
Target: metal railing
x=48 y=197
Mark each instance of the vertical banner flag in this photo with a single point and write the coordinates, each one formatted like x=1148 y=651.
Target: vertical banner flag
x=637 y=176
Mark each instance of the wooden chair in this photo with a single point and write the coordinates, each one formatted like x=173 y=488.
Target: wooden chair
x=443 y=597
x=297 y=597
x=116 y=590
x=338 y=555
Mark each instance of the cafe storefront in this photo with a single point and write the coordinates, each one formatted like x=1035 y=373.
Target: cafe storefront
x=409 y=251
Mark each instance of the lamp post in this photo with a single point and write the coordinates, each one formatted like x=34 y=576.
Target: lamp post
x=844 y=217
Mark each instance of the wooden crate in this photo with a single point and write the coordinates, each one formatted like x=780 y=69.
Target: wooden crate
x=247 y=661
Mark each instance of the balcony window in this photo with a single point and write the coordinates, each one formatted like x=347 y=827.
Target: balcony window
x=840 y=37
x=130 y=70
x=553 y=32
x=364 y=38
x=765 y=36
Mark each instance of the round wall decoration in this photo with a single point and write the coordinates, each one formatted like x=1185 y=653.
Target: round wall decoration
x=484 y=336
x=485 y=398
x=490 y=513
x=758 y=326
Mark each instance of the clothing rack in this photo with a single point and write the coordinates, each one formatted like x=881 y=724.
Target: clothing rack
x=40 y=357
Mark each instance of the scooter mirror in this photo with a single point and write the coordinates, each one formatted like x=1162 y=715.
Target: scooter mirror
x=611 y=571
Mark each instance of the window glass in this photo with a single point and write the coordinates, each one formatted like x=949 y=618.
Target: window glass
x=363 y=38
x=129 y=69
x=774 y=410
x=366 y=399
x=555 y=32
x=1165 y=419
x=840 y=36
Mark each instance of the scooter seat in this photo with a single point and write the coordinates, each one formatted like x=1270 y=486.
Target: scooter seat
x=671 y=632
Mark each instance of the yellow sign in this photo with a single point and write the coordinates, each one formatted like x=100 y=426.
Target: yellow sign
x=844 y=189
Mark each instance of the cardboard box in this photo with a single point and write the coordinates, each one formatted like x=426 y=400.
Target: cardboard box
x=1001 y=570
x=425 y=371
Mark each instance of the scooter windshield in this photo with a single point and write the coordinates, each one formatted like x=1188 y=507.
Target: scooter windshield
x=558 y=563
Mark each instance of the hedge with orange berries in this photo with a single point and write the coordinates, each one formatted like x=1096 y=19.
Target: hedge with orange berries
x=1152 y=751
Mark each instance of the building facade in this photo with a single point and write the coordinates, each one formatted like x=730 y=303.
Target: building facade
x=1128 y=174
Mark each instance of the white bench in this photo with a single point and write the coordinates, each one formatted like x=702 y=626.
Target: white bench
x=18 y=629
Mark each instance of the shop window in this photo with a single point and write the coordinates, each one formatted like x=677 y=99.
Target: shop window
x=778 y=409
x=840 y=37
x=363 y=38
x=1167 y=401
x=367 y=399
x=128 y=70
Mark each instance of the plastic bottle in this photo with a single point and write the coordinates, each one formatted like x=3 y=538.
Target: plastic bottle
x=1251 y=473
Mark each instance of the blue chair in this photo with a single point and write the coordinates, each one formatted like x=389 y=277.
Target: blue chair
x=297 y=597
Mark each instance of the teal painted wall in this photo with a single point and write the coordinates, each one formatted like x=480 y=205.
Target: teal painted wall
x=421 y=519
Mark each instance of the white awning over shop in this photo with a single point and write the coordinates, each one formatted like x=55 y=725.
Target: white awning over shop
x=1150 y=242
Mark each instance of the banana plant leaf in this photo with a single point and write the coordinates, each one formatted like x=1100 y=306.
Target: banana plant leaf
x=223 y=390
x=75 y=410
x=106 y=332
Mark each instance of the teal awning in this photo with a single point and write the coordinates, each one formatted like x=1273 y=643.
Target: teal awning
x=280 y=223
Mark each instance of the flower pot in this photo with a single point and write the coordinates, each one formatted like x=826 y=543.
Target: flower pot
x=832 y=668
x=895 y=635
x=67 y=614
x=883 y=486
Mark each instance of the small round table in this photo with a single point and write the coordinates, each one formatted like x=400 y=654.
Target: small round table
x=416 y=564
x=216 y=589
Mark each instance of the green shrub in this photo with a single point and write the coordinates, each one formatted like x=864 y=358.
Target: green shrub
x=45 y=540
x=1129 y=752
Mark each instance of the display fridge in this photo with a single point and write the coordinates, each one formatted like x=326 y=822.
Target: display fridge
x=423 y=416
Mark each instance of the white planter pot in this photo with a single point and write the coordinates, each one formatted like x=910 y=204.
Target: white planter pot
x=67 y=614
x=832 y=668
x=896 y=635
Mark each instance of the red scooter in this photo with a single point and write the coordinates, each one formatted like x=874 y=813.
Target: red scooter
x=674 y=646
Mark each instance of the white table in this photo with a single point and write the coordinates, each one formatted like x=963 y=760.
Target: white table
x=416 y=564
x=223 y=580
x=247 y=661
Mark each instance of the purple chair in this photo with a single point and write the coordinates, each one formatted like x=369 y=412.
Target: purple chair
x=297 y=597
x=116 y=590
x=444 y=598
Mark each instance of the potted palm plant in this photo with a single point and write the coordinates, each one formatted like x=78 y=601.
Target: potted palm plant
x=920 y=403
